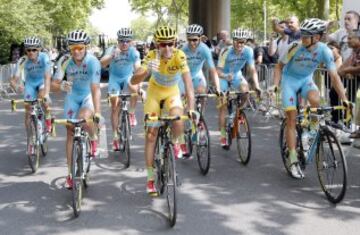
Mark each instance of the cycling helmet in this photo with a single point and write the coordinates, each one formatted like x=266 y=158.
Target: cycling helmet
x=194 y=30
x=78 y=37
x=164 y=33
x=240 y=34
x=312 y=26
x=125 y=33
x=32 y=42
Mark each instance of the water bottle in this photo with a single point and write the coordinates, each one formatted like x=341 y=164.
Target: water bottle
x=40 y=130
x=305 y=141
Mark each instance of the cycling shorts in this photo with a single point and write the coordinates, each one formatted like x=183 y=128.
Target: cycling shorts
x=290 y=86
x=73 y=104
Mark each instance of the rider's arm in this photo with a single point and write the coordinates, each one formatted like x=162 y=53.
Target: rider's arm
x=94 y=74
x=337 y=84
x=142 y=72
x=251 y=64
x=47 y=76
x=212 y=70
x=277 y=73
x=107 y=58
x=328 y=60
x=221 y=64
x=59 y=74
x=189 y=90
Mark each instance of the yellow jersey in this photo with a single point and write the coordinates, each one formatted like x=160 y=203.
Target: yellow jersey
x=170 y=70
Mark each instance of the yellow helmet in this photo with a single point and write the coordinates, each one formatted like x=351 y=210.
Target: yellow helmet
x=165 y=33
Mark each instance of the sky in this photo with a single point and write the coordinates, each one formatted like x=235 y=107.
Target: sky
x=115 y=14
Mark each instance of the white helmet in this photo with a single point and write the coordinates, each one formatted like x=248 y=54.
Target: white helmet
x=240 y=34
x=78 y=37
x=312 y=26
x=32 y=42
x=125 y=33
x=194 y=30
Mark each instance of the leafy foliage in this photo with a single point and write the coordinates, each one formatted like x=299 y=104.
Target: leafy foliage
x=43 y=18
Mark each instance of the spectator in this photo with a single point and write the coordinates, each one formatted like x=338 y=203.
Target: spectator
x=292 y=30
x=279 y=42
x=350 y=70
x=351 y=21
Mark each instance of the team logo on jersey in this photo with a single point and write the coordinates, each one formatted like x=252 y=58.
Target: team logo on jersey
x=291 y=100
x=84 y=66
x=314 y=55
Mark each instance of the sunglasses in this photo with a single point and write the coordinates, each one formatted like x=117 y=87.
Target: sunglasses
x=31 y=50
x=165 y=44
x=193 y=39
x=124 y=41
x=240 y=41
x=77 y=47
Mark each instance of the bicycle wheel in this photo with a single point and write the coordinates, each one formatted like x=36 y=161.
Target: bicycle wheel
x=158 y=166
x=44 y=145
x=188 y=143
x=125 y=139
x=77 y=172
x=243 y=138
x=331 y=166
x=33 y=147
x=203 y=147
x=171 y=184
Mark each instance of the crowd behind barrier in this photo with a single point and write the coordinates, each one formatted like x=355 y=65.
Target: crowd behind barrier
x=322 y=79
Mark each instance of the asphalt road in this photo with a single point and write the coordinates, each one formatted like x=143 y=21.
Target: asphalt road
x=232 y=199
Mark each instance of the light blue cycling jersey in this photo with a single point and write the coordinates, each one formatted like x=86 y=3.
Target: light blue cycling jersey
x=81 y=76
x=34 y=73
x=232 y=63
x=301 y=63
x=196 y=59
x=122 y=66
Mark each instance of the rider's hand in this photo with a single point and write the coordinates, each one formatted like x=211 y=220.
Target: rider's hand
x=154 y=65
x=219 y=93
x=258 y=92
x=47 y=99
x=115 y=53
x=194 y=115
x=66 y=86
x=97 y=118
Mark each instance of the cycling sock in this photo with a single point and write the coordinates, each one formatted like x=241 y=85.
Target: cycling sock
x=222 y=132
x=150 y=173
x=115 y=135
x=293 y=156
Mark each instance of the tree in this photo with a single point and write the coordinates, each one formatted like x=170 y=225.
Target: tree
x=142 y=28
x=166 y=11
x=42 y=18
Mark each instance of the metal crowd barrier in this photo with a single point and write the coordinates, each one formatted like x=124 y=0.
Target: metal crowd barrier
x=322 y=79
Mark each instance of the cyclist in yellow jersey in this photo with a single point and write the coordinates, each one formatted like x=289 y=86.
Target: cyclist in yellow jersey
x=167 y=65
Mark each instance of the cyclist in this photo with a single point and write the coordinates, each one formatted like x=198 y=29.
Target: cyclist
x=123 y=60
x=231 y=61
x=167 y=65
x=37 y=72
x=296 y=68
x=83 y=89
x=196 y=54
